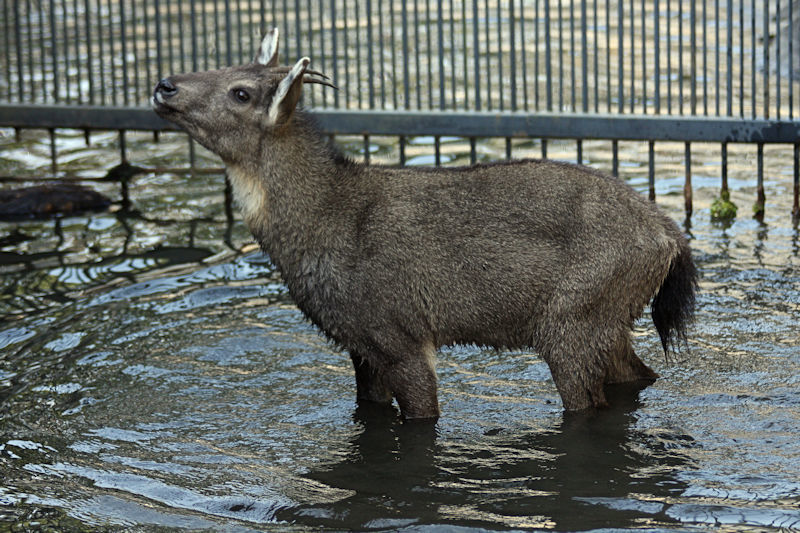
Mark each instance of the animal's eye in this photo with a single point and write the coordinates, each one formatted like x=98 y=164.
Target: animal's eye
x=241 y=95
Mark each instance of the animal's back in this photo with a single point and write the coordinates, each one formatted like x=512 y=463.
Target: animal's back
x=476 y=254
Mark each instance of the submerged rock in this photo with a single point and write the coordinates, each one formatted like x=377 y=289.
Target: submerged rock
x=50 y=199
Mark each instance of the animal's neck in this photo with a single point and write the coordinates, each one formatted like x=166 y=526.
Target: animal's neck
x=285 y=191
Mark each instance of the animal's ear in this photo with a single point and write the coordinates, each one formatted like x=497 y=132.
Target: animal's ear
x=268 y=51
x=288 y=93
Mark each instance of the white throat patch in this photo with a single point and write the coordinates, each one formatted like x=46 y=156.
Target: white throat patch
x=249 y=195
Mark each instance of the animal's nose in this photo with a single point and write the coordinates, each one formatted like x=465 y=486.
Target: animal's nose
x=166 y=88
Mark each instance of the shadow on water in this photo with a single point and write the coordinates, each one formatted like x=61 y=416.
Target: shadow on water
x=585 y=472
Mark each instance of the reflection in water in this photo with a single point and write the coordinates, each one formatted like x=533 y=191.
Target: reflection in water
x=592 y=470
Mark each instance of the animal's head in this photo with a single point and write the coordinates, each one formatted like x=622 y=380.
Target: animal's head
x=230 y=111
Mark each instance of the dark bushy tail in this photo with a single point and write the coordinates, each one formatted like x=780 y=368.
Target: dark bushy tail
x=673 y=306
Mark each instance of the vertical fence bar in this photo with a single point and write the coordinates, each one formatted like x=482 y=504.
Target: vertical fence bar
x=669 y=58
x=477 y=66
x=298 y=20
x=240 y=27
x=615 y=158
x=717 y=48
x=657 y=53
x=499 y=55
x=381 y=62
x=322 y=50
x=724 y=177
x=123 y=30
x=729 y=58
x=687 y=184
x=465 y=56
x=134 y=45
x=753 y=71
x=53 y=57
x=53 y=152
x=620 y=57
x=705 y=59
x=796 y=187
x=778 y=59
x=309 y=40
x=644 y=55
x=758 y=208
x=29 y=27
x=488 y=72
x=335 y=52
x=193 y=23
x=651 y=170
x=560 y=57
x=536 y=55
x=358 y=56
x=7 y=49
x=392 y=42
x=170 y=36
x=608 y=59
x=440 y=52
x=65 y=47
x=147 y=60
x=584 y=57
x=429 y=51
x=370 y=58
x=693 y=56
x=42 y=55
x=573 y=79
x=147 y=70
x=680 y=57
x=523 y=48
x=791 y=59
x=218 y=47
x=632 y=73
x=100 y=55
x=765 y=45
x=596 y=58
x=406 y=73
x=417 y=69
x=741 y=58
x=548 y=66
x=513 y=58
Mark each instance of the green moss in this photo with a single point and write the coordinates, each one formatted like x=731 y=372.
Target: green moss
x=722 y=208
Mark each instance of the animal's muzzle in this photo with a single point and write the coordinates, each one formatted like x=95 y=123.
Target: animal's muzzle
x=165 y=89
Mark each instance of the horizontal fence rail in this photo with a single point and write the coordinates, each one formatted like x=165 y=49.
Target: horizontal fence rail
x=458 y=123
x=722 y=71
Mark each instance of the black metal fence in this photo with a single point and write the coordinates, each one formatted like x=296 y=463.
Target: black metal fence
x=719 y=71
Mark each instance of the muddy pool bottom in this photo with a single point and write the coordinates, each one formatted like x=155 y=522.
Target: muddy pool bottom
x=151 y=385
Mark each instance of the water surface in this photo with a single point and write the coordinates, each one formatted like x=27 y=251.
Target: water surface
x=154 y=373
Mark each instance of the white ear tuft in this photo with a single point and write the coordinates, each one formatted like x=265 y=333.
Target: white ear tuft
x=281 y=106
x=268 y=51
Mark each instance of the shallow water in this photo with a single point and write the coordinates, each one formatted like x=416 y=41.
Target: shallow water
x=155 y=373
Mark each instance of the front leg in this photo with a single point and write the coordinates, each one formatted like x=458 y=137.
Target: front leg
x=412 y=379
x=370 y=381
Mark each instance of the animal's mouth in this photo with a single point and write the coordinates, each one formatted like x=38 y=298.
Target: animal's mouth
x=164 y=90
x=160 y=105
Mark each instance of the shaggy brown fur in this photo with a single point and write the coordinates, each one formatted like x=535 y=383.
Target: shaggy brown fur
x=392 y=263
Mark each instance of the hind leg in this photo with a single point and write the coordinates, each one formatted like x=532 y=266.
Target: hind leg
x=579 y=376
x=624 y=365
